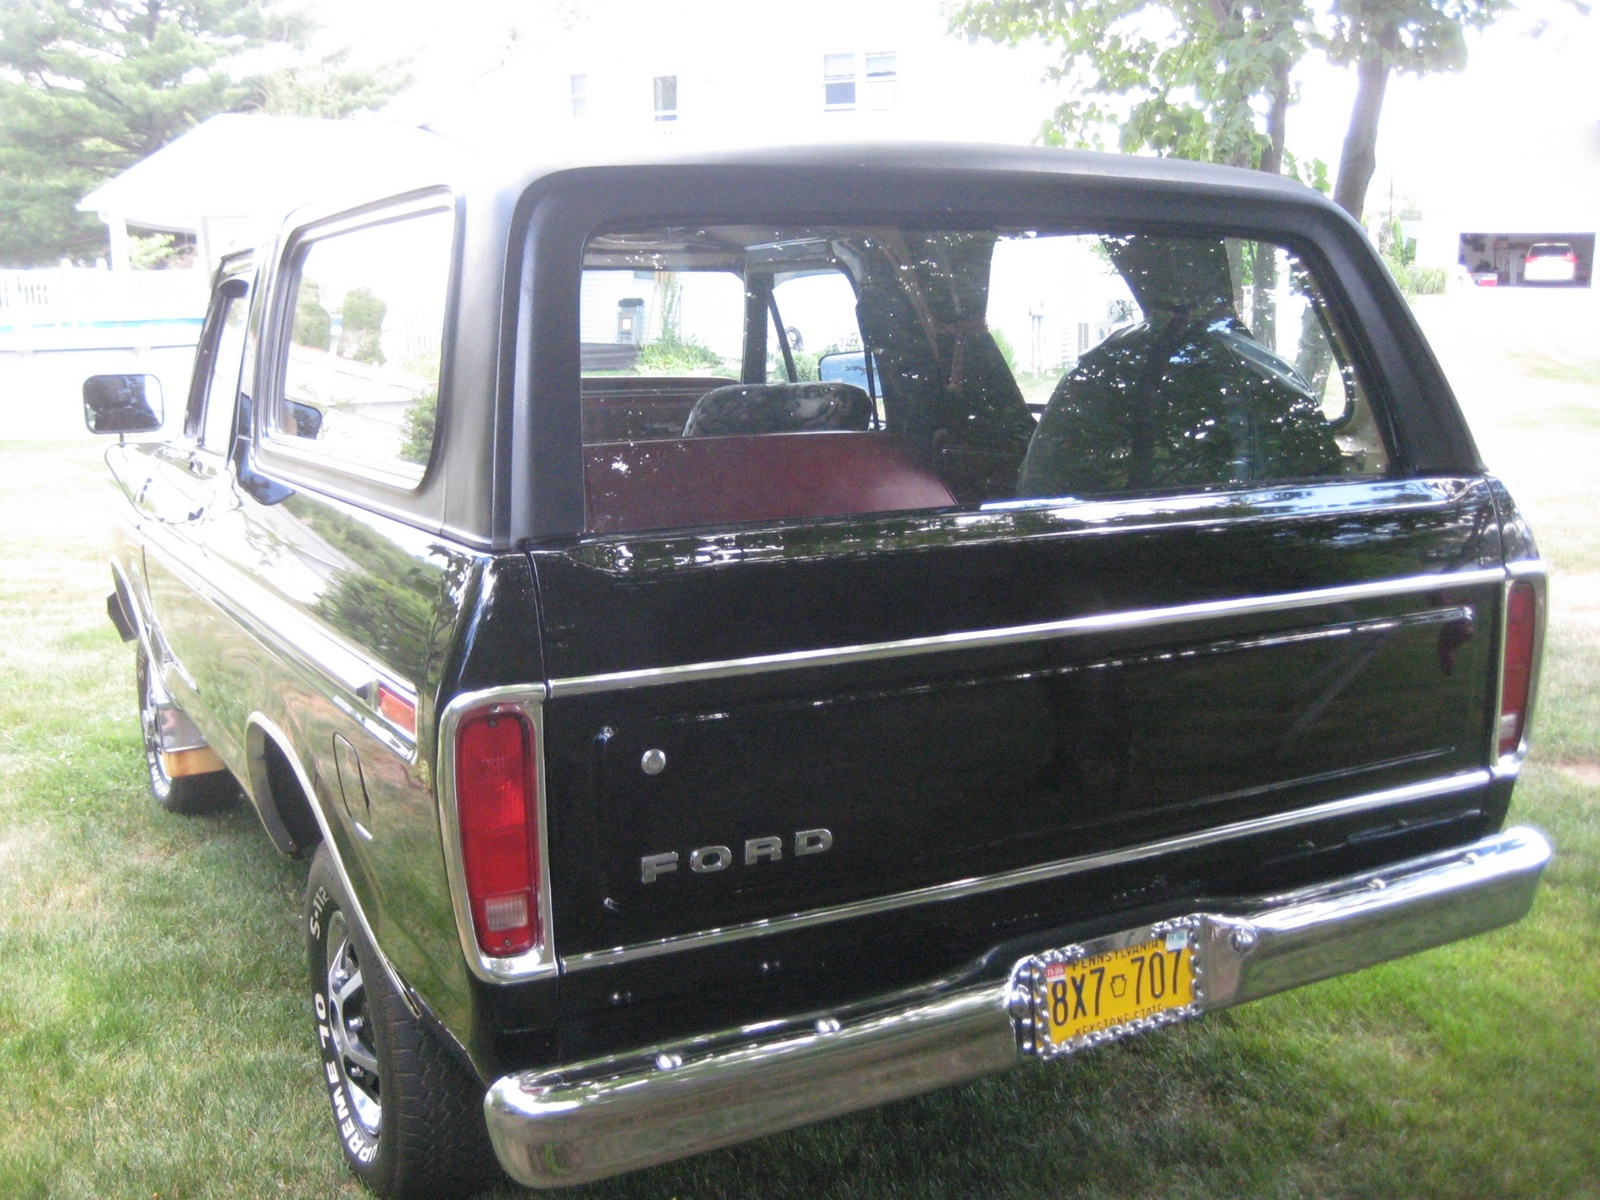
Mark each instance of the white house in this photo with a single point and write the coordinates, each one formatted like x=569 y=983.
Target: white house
x=234 y=172
x=731 y=71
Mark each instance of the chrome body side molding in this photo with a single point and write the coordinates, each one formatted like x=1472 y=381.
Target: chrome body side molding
x=349 y=677
x=977 y=886
x=569 y=1125
x=1147 y=618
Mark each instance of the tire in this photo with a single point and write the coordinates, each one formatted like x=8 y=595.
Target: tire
x=408 y=1117
x=211 y=792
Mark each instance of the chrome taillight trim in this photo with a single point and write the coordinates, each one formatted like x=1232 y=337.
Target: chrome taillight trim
x=1113 y=622
x=541 y=961
x=962 y=888
x=1506 y=766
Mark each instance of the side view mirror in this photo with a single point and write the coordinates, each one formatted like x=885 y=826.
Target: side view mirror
x=848 y=366
x=305 y=419
x=122 y=403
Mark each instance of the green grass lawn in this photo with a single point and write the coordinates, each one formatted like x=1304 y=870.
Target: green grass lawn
x=155 y=1040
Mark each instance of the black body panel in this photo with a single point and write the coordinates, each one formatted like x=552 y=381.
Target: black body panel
x=960 y=762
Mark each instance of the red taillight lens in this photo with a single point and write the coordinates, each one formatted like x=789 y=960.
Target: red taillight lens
x=496 y=802
x=1573 y=259
x=1522 y=608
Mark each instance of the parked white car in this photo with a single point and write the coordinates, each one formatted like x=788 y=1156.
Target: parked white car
x=1550 y=262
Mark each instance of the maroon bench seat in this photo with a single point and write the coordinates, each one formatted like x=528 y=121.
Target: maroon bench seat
x=758 y=477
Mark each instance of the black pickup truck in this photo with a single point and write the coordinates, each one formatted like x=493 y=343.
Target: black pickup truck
x=742 y=638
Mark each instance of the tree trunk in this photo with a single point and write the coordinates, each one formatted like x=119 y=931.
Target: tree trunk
x=1264 y=273
x=1360 y=156
x=1277 y=118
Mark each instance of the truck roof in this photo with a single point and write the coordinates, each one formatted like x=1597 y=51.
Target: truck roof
x=476 y=170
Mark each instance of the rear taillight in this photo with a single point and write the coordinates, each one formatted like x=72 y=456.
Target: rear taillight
x=496 y=806
x=1516 y=671
x=1572 y=258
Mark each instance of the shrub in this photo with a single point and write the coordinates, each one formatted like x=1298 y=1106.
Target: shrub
x=1007 y=351
x=672 y=355
x=416 y=433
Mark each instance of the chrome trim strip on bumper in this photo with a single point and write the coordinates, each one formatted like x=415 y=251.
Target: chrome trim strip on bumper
x=977 y=886
x=556 y=1128
x=1146 y=618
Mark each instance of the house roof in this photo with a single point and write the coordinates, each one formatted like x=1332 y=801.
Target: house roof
x=258 y=167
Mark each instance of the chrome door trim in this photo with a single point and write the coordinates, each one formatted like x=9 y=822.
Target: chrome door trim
x=980 y=885
x=541 y=961
x=1131 y=619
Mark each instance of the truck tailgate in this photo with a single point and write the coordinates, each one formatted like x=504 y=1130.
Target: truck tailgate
x=1013 y=688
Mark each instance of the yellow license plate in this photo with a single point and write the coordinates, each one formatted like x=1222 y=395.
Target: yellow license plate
x=1117 y=987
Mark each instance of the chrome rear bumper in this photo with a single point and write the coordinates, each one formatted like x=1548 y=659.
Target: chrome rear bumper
x=555 y=1128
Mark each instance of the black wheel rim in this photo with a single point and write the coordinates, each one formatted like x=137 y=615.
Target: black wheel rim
x=353 y=1051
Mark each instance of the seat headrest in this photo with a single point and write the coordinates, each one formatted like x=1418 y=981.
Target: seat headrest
x=778 y=408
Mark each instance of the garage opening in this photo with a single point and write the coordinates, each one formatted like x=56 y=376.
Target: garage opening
x=1528 y=259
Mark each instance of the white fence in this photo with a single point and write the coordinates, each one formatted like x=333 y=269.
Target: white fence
x=57 y=297
x=60 y=325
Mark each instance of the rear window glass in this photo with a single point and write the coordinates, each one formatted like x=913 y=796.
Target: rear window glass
x=755 y=373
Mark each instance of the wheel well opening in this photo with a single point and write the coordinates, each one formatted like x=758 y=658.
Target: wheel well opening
x=294 y=807
x=284 y=806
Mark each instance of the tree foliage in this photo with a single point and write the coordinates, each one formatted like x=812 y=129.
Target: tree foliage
x=324 y=88
x=1202 y=79
x=90 y=87
x=1212 y=79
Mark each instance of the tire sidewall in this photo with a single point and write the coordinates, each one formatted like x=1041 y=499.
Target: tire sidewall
x=364 y=1152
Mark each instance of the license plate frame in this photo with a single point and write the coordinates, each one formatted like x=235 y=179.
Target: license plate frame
x=1090 y=1023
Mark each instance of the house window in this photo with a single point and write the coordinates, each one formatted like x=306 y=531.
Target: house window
x=838 y=81
x=580 y=95
x=666 y=97
x=881 y=77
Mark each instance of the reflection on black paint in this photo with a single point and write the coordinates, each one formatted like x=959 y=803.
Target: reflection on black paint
x=1187 y=398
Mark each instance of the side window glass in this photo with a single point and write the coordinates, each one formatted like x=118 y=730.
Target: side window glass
x=744 y=373
x=222 y=387
x=361 y=374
